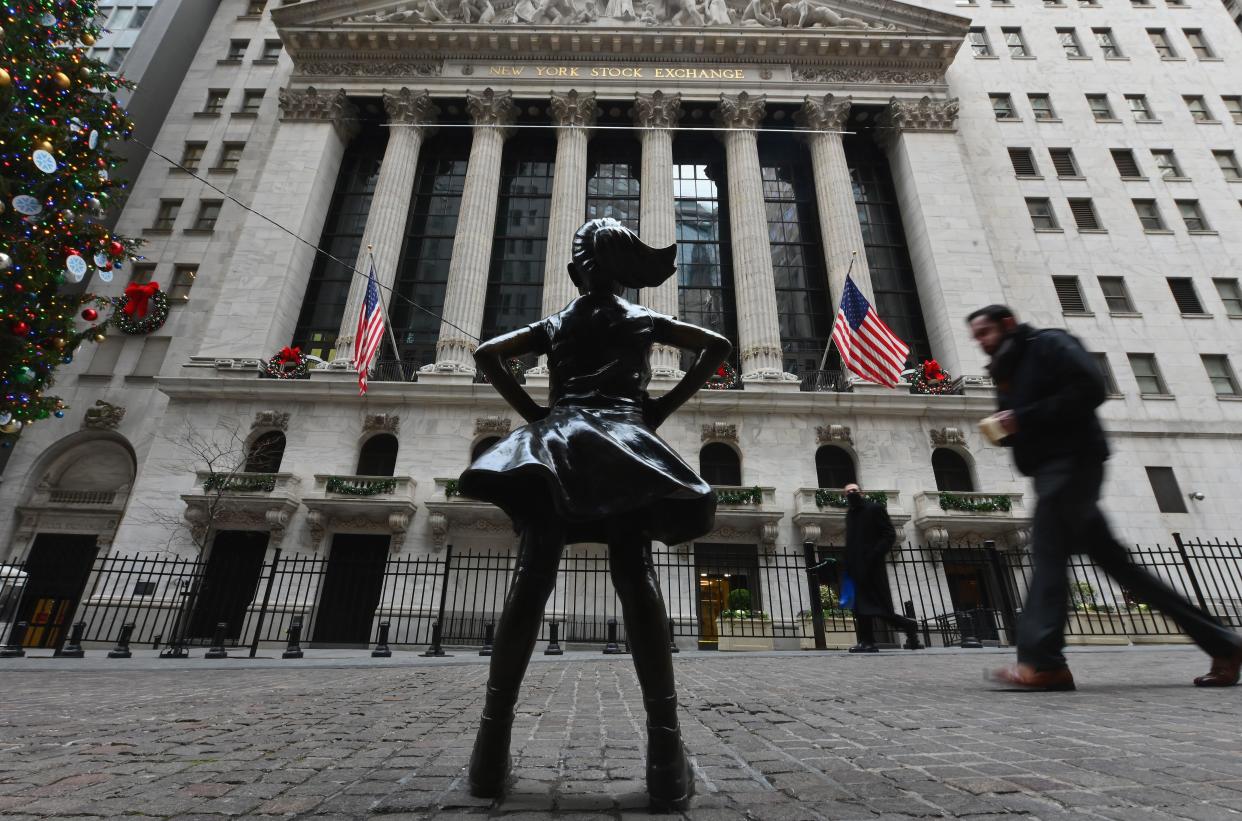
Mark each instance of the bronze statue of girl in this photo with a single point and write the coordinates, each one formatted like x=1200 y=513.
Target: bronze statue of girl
x=590 y=468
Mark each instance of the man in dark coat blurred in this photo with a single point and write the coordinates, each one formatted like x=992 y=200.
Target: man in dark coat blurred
x=1047 y=389
x=869 y=535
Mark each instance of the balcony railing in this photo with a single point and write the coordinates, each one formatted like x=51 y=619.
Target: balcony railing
x=390 y=370
x=827 y=381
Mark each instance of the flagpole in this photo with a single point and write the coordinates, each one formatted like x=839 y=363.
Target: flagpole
x=824 y=359
x=387 y=325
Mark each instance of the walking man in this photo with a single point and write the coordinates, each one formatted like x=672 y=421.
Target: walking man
x=1047 y=389
x=869 y=535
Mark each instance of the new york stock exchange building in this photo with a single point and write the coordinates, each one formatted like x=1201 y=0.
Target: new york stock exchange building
x=1076 y=160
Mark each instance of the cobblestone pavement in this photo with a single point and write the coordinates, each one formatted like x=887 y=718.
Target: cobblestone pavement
x=781 y=736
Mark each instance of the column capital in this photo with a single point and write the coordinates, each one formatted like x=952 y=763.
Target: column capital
x=492 y=108
x=405 y=107
x=657 y=110
x=902 y=116
x=311 y=105
x=573 y=109
x=829 y=113
x=742 y=110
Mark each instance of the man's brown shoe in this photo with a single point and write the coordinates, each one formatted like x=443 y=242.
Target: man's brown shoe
x=1028 y=678
x=1224 y=673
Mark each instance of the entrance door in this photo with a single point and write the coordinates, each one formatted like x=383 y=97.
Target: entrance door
x=351 y=589
x=229 y=582
x=722 y=569
x=58 y=567
x=969 y=577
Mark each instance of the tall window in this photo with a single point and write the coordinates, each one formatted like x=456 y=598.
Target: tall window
x=378 y=456
x=1139 y=108
x=327 y=289
x=797 y=256
x=1160 y=41
x=1220 y=374
x=1041 y=106
x=1070 y=42
x=1230 y=296
x=1002 y=106
x=1147 y=374
x=1107 y=43
x=1101 y=109
x=265 y=453
x=951 y=471
x=979 y=45
x=1116 y=295
x=1164 y=486
x=423 y=272
x=515 y=280
x=1199 y=44
x=719 y=465
x=704 y=263
x=1198 y=108
x=1166 y=161
x=614 y=164
x=1015 y=42
x=834 y=467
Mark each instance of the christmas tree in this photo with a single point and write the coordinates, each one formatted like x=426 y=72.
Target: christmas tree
x=57 y=117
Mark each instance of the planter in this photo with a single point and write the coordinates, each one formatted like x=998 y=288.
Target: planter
x=1091 y=628
x=744 y=634
x=838 y=633
x=1154 y=627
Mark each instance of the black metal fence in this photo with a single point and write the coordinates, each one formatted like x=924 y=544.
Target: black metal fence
x=728 y=597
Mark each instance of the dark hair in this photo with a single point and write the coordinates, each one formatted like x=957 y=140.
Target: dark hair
x=993 y=313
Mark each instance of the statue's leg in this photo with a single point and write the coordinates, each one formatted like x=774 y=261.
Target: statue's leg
x=516 y=634
x=670 y=781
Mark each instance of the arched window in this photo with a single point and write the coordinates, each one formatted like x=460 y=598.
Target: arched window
x=834 y=467
x=719 y=464
x=265 y=453
x=378 y=456
x=482 y=446
x=952 y=471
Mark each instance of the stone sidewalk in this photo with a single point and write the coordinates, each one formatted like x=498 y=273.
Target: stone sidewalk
x=774 y=736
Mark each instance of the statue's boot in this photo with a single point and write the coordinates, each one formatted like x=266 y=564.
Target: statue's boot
x=670 y=781
x=490 y=763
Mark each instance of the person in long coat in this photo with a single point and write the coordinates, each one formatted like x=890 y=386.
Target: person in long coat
x=869 y=536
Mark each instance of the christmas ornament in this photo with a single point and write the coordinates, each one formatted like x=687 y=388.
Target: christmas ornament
x=26 y=204
x=44 y=161
x=12 y=427
x=5 y=417
x=6 y=261
x=20 y=328
x=5 y=79
x=142 y=310
x=88 y=39
x=90 y=314
x=290 y=363
x=76 y=266
x=115 y=248
x=48 y=20
x=44 y=145
x=101 y=259
x=62 y=79
x=93 y=139
x=105 y=274
x=93 y=203
x=25 y=375
x=67 y=215
x=60 y=414
x=99 y=337
x=724 y=378
x=67 y=359
x=58 y=343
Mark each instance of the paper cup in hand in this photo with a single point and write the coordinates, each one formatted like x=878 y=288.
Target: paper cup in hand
x=992 y=428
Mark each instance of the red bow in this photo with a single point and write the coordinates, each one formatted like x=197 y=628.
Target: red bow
x=931 y=369
x=288 y=354
x=138 y=297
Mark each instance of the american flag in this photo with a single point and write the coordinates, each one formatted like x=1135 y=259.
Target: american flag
x=868 y=347
x=370 y=332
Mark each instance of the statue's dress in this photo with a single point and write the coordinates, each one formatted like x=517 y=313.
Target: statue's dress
x=593 y=458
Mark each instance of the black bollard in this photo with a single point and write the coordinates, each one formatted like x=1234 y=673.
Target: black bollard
x=381 y=650
x=217 y=651
x=294 y=648
x=14 y=648
x=966 y=621
x=611 y=647
x=155 y=642
x=435 y=650
x=672 y=638
x=554 y=644
x=73 y=647
x=489 y=632
x=121 y=651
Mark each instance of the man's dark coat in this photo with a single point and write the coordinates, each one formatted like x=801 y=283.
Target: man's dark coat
x=869 y=535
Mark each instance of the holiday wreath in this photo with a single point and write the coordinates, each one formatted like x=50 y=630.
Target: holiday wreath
x=290 y=363
x=142 y=309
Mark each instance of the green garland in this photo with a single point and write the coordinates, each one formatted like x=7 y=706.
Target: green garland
x=360 y=487
x=827 y=498
x=450 y=488
x=751 y=496
x=246 y=484
x=730 y=615
x=157 y=315
x=982 y=504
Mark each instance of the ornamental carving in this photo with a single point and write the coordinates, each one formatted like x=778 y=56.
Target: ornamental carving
x=831 y=434
x=657 y=110
x=827 y=114
x=573 y=108
x=276 y=420
x=741 y=110
x=104 y=416
x=491 y=108
x=382 y=422
x=370 y=68
x=870 y=76
x=720 y=432
x=492 y=425
x=947 y=436
x=309 y=105
x=407 y=107
x=926 y=114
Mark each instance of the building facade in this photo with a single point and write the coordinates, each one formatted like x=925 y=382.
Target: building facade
x=1077 y=160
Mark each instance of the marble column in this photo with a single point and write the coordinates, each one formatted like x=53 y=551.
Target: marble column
x=572 y=113
x=834 y=195
x=466 y=290
x=409 y=115
x=657 y=114
x=262 y=291
x=954 y=268
x=758 y=329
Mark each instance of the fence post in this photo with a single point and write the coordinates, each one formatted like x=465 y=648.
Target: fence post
x=381 y=650
x=73 y=647
x=437 y=637
x=267 y=595
x=489 y=631
x=217 y=651
x=817 y=606
x=121 y=651
x=435 y=650
x=1190 y=572
x=14 y=648
x=294 y=648
x=611 y=647
x=672 y=637
x=554 y=645
x=176 y=643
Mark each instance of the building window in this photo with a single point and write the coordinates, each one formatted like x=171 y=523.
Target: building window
x=1141 y=4
x=166 y=215
x=266 y=453
x=1166 y=162
x=116 y=58
x=1192 y=215
x=615 y=165
x=1116 y=295
x=378 y=456
x=192 y=155
x=834 y=467
x=1230 y=296
x=1198 y=108
x=951 y=471
x=208 y=213
x=271 y=50
x=183 y=281
x=1160 y=40
x=1107 y=43
x=252 y=99
x=151 y=357
x=1085 y=217
x=1164 y=486
x=139 y=17
x=141 y=274
x=1100 y=107
x=1014 y=42
x=1185 y=296
x=230 y=156
x=1149 y=215
x=1023 y=160
x=1147 y=374
x=1069 y=294
x=1002 y=106
x=1233 y=104
x=103 y=363
x=215 y=101
x=1139 y=108
x=719 y=465
x=1175 y=4
x=1041 y=106
x=422 y=275
x=1063 y=161
x=979 y=44
x=1220 y=374
x=1127 y=166
x=1106 y=371
x=1042 y=216
x=1228 y=162
x=1199 y=44
x=236 y=50
x=803 y=306
x=1070 y=42
x=254 y=8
